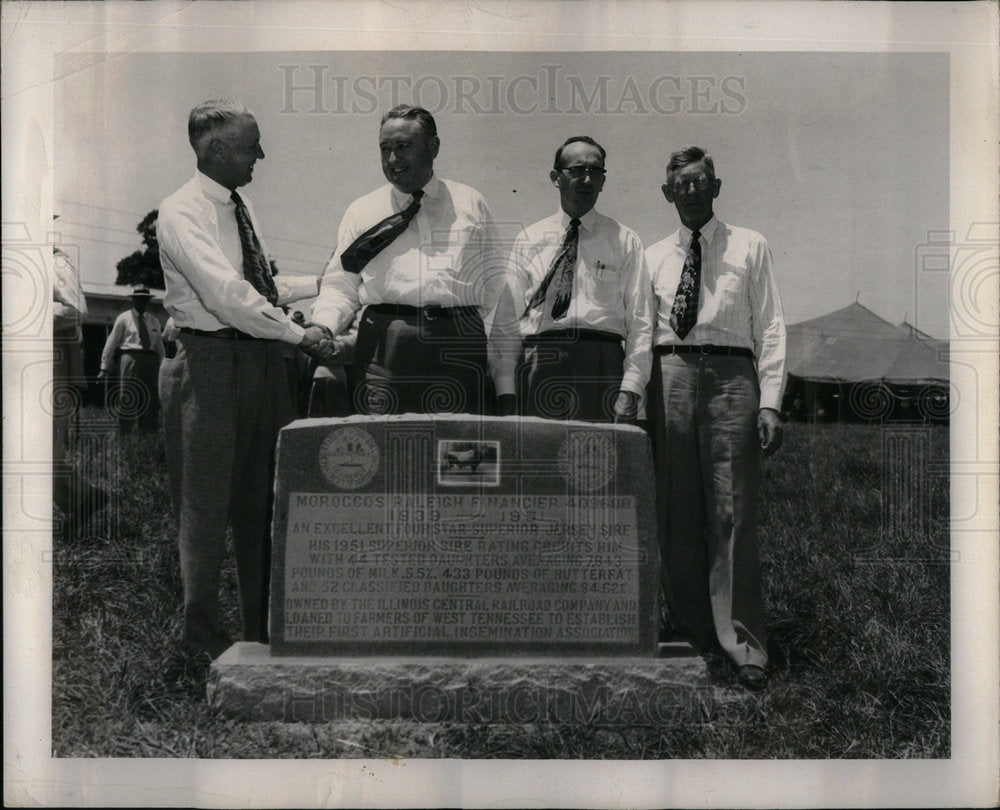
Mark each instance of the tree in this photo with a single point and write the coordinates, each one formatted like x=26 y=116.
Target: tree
x=143 y=266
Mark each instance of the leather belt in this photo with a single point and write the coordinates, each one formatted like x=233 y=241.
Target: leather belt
x=431 y=312
x=137 y=351
x=573 y=334
x=705 y=348
x=225 y=334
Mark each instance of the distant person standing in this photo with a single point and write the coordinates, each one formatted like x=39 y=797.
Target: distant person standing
x=136 y=345
x=715 y=397
x=574 y=325
x=418 y=257
x=225 y=395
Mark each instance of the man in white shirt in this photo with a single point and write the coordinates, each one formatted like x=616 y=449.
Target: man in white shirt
x=136 y=346
x=715 y=398
x=225 y=395
x=420 y=257
x=573 y=327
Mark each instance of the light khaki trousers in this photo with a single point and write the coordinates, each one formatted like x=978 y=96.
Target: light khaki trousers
x=703 y=411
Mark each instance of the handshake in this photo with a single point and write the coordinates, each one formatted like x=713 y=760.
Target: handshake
x=317 y=341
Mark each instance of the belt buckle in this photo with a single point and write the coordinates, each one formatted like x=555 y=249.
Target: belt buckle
x=431 y=312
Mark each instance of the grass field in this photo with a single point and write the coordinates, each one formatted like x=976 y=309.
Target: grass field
x=856 y=571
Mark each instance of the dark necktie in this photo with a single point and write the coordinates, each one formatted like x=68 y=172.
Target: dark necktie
x=255 y=267
x=564 y=263
x=140 y=324
x=684 y=312
x=378 y=237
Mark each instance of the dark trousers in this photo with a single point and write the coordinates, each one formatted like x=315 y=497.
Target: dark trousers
x=416 y=364
x=224 y=402
x=571 y=375
x=703 y=414
x=138 y=401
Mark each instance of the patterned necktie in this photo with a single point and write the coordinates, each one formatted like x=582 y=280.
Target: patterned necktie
x=684 y=312
x=378 y=237
x=564 y=263
x=255 y=267
x=140 y=324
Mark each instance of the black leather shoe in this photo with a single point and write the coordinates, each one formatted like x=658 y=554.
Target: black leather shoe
x=751 y=676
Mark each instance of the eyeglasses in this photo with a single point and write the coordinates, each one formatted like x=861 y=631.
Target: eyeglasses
x=578 y=172
x=700 y=183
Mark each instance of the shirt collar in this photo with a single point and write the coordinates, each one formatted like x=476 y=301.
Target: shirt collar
x=432 y=190
x=587 y=220
x=707 y=232
x=215 y=191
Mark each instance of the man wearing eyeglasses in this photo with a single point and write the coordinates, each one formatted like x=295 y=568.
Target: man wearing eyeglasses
x=715 y=395
x=573 y=328
x=417 y=258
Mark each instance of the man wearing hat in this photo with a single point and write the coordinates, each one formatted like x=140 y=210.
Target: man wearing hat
x=135 y=341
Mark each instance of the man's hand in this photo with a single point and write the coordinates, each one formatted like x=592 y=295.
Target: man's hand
x=316 y=343
x=626 y=408
x=769 y=430
x=323 y=348
x=506 y=405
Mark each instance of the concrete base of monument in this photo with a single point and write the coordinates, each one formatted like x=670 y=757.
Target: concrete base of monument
x=250 y=683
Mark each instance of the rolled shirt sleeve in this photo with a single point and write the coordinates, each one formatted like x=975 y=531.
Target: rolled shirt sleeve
x=295 y=288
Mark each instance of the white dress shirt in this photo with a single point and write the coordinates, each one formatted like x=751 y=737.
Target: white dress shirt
x=611 y=293
x=447 y=256
x=124 y=335
x=738 y=302
x=202 y=263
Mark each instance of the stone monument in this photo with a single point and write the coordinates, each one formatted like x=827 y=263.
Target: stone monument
x=461 y=567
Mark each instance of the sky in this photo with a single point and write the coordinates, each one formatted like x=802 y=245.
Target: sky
x=839 y=159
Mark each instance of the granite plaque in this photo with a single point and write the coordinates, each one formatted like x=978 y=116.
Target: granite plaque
x=463 y=535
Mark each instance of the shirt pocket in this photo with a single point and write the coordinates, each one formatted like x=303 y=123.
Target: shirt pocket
x=601 y=284
x=731 y=287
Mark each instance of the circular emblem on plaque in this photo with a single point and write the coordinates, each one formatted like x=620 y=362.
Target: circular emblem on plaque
x=588 y=460
x=349 y=458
